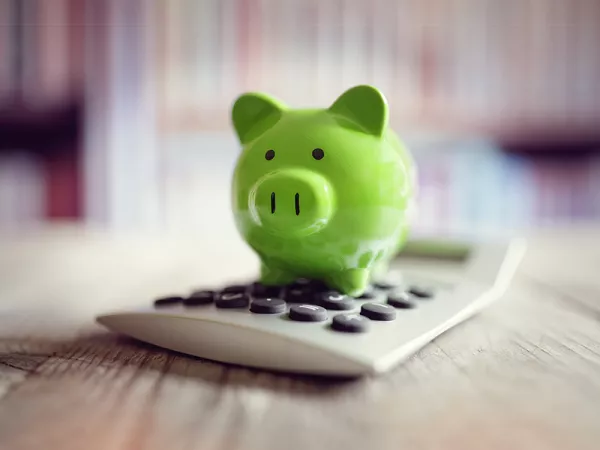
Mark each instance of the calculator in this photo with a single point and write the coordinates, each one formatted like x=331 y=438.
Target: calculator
x=305 y=327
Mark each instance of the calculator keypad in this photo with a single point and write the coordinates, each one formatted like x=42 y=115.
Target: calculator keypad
x=310 y=301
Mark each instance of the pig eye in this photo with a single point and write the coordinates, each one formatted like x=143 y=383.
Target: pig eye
x=318 y=153
x=270 y=155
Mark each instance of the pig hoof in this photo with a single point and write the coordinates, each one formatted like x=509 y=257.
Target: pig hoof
x=273 y=276
x=380 y=270
x=351 y=282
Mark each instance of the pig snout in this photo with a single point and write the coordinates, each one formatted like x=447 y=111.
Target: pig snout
x=291 y=202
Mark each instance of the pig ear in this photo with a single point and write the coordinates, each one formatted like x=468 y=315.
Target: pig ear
x=254 y=113
x=364 y=106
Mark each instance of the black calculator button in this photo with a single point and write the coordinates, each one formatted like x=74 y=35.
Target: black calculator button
x=264 y=291
x=420 y=292
x=298 y=295
x=378 y=311
x=371 y=294
x=308 y=285
x=401 y=300
x=336 y=301
x=385 y=285
x=350 y=323
x=200 y=298
x=232 y=300
x=368 y=293
x=236 y=288
x=307 y=313
x=168 y=301
x=301 y=283
x=267 y=306
x=318 y=286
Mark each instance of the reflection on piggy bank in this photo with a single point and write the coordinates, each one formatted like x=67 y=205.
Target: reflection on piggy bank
x=321 y=193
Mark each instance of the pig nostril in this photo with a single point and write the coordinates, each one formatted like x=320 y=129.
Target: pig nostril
x=272 y=202
x=297 y=198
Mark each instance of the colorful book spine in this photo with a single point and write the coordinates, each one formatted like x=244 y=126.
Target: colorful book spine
x=7 y=53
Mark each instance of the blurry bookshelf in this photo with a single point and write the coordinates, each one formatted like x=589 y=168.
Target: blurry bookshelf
x=510 y=69
x=143 y=91
x=467 y=187
x=41 y=102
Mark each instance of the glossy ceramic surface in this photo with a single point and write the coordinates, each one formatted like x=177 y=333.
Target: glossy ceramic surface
x=321 y=193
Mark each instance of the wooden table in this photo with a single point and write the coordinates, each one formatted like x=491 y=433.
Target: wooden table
x=525 y=373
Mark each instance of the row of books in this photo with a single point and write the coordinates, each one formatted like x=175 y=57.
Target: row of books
x=469 y=63
x=149 y=70
x=473 y=187
x=466 y=187
x=41 y=52
x=22 y=194
x=181 y=63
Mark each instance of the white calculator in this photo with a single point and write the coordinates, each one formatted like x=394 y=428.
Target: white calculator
x=305 y=327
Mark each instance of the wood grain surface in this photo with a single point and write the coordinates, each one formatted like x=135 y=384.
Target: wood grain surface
x=525 y=373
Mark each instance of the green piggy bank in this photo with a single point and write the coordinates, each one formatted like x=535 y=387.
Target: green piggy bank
x=324 y=194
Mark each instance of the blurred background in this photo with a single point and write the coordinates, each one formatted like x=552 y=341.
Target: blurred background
x=115 y=113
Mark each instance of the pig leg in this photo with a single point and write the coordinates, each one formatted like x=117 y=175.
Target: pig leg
x=271 y=275
x=380 y=270
x=350 y=282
